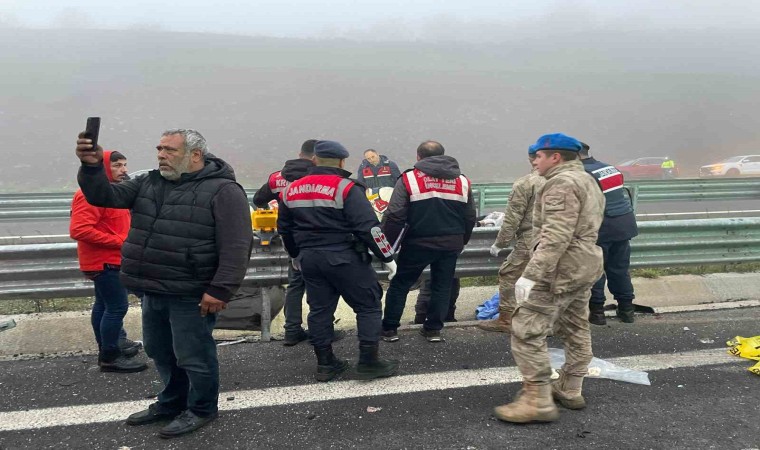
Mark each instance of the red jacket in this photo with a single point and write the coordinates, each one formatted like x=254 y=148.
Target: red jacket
x=99 y=232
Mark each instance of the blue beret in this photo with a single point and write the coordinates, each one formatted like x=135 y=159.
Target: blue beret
x=556 y=141
x=330 y=149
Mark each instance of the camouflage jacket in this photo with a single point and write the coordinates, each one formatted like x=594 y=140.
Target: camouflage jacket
x=566 y=220
x=518 y=217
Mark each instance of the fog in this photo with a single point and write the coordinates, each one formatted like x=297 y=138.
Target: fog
x=679 y=79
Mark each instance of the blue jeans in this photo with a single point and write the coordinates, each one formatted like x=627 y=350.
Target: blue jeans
x=180 y=343
x=108 y=312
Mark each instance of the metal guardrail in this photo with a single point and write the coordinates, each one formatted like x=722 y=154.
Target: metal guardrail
x=51 y=270
x=493 y=197
x=488 y=197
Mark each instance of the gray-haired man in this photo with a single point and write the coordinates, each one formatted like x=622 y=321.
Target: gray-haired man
x=186 y=253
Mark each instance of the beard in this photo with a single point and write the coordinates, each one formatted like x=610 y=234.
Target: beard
x=174 y=173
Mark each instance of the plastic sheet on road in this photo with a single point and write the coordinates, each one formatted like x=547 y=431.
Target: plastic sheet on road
x=600 y=368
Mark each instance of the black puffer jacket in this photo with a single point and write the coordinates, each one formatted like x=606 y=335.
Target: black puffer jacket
x=188 y=237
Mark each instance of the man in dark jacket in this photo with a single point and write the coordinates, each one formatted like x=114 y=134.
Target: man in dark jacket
x=377 y=171
x=432 y=205
x=186 y=254
x=293 y=170
x=327 y=226
x=615 y=234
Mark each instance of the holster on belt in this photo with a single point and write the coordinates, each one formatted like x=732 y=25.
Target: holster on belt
x=363 y=251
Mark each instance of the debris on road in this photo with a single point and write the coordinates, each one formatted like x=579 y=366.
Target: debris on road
x=746 y=348
x=600 y=368
x=707 y=341
x=374 y=409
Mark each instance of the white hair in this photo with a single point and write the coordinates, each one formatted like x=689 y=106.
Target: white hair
x=193 y=139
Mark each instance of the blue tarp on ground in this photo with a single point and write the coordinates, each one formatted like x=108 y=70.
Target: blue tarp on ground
x=488 y=310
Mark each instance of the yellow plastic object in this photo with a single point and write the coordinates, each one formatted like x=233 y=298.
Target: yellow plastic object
x=745 y=347
x=264 y=224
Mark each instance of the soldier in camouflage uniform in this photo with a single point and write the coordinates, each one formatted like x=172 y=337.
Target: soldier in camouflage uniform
x=553 y=291
x=518 y=224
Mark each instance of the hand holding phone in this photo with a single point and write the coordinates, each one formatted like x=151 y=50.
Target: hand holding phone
x=88 y=151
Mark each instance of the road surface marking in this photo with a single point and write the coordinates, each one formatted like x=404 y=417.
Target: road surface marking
x=319 y=392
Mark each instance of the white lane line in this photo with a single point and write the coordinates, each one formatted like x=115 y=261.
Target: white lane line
x=318 y=392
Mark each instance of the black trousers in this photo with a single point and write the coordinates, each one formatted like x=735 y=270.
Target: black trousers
x=331 y=274
x=411 y=263
x=617 y=261
x=423 y=301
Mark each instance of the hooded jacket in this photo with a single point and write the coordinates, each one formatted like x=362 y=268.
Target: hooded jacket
x=188 y=237
x=293 y=170
x=384 y=174
x=433 y=202
x=99 y=232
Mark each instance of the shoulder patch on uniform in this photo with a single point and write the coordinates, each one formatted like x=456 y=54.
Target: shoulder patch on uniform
x=554 y=203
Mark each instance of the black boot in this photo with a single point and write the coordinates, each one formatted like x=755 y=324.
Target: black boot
x=370 y=366
x=625 y=312
x=328 y=366
x=596 y=314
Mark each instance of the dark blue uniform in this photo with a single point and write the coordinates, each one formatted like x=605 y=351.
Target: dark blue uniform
x=324 y=218
x=618 y=228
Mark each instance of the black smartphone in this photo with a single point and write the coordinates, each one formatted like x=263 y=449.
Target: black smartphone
x=92 y=131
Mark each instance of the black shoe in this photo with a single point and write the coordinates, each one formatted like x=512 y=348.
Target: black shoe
x=431 y=335
x=186 y=422
x=292 y=339
x=122 y=364
x=153 y=414
x=596 y=314
x=129 y=348
x=328 y=366
x=625 y=312
x=371 y=367
x=389 y=335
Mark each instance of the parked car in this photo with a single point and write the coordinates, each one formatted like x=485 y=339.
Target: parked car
x=648 y=167
x=734 y=166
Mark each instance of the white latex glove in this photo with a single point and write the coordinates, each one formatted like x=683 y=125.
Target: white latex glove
x=522 y=289
x=391 y=266
x=296 y=264
x=495 y=250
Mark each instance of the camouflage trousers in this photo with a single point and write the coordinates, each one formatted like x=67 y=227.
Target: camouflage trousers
x=567 y=315
x=509 y=272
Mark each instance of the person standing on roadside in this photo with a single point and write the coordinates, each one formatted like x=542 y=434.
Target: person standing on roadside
x=328 y=226
x=552 y=293
x=432 y=207
x=294 y=169
x=100 y=233
x=377 y=171
x=186 y=253
x=615 y=234
x=518 y=228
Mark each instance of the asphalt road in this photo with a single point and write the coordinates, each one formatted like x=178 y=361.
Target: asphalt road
x=699 y=397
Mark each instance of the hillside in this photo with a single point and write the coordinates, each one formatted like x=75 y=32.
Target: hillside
x=692 y=97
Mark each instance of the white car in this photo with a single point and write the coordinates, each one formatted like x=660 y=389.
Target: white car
x=732 y=167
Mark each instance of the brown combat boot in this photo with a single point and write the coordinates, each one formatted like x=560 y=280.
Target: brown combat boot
x=502 y=324
x=534 y=404
x=567 y=391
